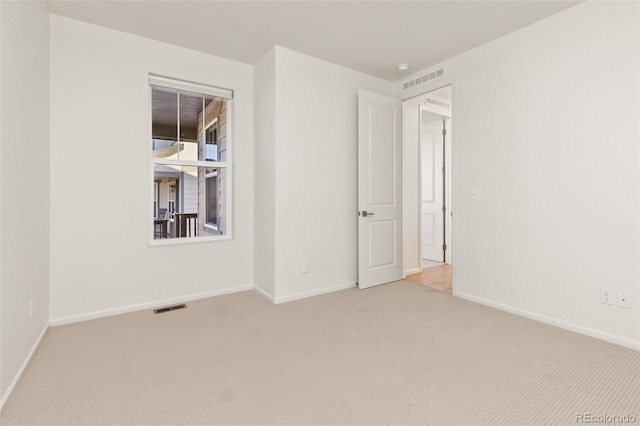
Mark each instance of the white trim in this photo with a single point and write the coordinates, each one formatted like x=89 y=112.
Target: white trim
x=311 y=293
x=420 y=196
x=189 y=163
x=214 y=121
x=446 y=113
x=189 y=86
x=618 y=340
x=403 y=198
x=210 y=227
x=412 y=271
x=148 y=305
x=264 y=294
x=188 y=240
x=23 y=367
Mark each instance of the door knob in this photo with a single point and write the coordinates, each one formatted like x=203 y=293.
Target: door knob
x=367 y=214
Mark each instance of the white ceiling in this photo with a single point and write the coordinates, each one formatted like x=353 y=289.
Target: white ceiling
x=368 y=36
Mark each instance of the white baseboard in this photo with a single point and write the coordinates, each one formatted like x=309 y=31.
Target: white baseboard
x=412 y=271
x=264 y=294
x=312 y=293
x=23 y=367
x=148 y=305
x=618 y=340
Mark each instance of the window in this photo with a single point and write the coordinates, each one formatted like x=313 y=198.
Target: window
x=191 y=160
x=171 y=197
x=211 y=141
x=156 y=196
x=212 y=198
x=211 y=175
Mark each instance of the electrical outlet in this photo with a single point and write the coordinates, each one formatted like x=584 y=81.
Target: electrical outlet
x=606 y=296
x=475 y=194
x=623 y=299
x=30 y=308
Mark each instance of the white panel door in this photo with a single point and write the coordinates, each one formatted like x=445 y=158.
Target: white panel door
x=432 y=197
x=379 y=189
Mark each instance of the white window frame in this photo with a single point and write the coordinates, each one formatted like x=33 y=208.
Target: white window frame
x=201 y=89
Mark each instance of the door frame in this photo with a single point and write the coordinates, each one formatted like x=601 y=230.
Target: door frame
x=452 y=190
x=426 y=108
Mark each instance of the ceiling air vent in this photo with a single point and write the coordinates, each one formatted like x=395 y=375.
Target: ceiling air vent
x=423 y=79
x=438 y=103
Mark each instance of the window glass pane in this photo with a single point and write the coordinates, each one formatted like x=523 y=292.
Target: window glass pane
x=213 y=109
x=211 y=193
x=156 y=194
x=190 y=201
x=190 y=125
x=215 y=200
x=164 y=119
x=222 y=132
x=211 y=142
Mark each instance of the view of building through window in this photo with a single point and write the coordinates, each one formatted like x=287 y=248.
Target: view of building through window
x=190 y=156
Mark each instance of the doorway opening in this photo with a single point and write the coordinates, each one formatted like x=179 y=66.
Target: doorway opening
x=428 y=135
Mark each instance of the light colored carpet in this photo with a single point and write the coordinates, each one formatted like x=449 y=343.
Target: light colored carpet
x=395 y=354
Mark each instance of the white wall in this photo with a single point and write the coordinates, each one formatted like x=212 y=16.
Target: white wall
x=100 y=202
x=24 y=177
x=316 y=172
x=264 y=82
x=546 y=127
